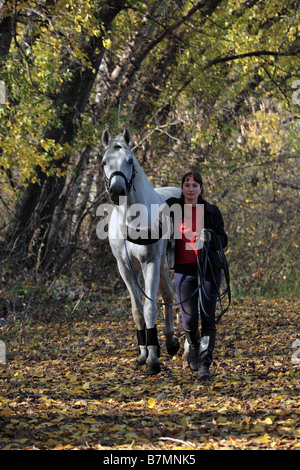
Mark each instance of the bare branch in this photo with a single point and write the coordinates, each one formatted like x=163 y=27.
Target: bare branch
x=262 y=53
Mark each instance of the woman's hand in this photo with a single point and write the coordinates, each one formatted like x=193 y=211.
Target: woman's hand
x=205 y=236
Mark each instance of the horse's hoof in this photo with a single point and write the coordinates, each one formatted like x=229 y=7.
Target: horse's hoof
x=140 y=362
x=153 y=368
x=173 y=348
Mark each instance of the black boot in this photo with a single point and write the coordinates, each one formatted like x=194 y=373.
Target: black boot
x=207 y=344
x=192 y=337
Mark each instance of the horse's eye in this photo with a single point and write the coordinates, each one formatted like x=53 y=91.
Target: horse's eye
x=104 y=163
x=130 y=161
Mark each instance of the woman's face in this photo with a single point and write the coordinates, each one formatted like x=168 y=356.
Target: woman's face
x=191 y=190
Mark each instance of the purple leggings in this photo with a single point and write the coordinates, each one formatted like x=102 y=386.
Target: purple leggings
x=185 y=285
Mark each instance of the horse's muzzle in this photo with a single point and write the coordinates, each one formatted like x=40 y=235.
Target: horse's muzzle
x=116 y=191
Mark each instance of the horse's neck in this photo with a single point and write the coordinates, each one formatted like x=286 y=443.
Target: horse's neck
x=142 y=191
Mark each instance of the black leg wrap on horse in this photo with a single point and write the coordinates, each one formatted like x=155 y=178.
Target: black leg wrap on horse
x=141 y=336
x=152 y=340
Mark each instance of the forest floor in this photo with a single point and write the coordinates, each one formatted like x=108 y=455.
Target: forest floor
x=71 y=383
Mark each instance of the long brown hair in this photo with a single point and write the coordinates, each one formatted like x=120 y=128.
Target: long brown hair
x=197 y=177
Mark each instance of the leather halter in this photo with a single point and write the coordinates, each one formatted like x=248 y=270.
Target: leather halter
x=128 y=184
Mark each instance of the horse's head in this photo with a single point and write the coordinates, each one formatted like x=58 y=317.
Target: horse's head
x=118 y=164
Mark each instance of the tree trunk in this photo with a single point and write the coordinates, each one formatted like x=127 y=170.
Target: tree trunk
x=40 y=208
x=6 y=32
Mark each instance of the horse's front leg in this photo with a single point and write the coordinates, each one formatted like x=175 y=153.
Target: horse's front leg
x=151 y=277
x=137 y=312
x=166 y=289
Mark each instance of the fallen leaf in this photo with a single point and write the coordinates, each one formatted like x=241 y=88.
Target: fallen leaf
x=151 y=402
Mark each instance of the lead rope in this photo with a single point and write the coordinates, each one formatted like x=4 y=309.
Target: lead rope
x=201 y=273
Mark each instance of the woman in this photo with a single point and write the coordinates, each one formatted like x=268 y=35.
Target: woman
x=187 y=234
x=201 y=346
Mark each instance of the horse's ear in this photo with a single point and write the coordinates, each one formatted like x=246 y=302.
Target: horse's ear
x=105 y=137
x=127 y=136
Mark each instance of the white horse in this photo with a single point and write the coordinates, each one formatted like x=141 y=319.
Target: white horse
x=125 y=178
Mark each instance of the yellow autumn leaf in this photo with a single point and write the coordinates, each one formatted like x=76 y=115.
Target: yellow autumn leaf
x=72 y=378
x=222 y=410
x=268 y=421
x=151 y=402
x=263 y=439
x=177 y=359
x=62 y=447
x=3 y=399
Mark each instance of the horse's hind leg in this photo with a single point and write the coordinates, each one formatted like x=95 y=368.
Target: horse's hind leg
x=166 y=290
x=137 y=313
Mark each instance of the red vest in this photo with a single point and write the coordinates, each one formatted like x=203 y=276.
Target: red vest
x=187 y=232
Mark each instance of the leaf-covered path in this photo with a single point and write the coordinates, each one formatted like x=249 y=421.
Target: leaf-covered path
x=75 y=386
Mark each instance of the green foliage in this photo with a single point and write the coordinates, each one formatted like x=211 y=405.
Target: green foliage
x=34 y=72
